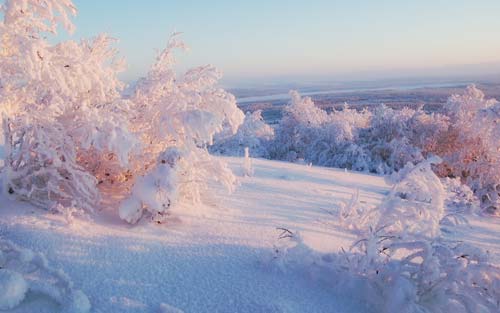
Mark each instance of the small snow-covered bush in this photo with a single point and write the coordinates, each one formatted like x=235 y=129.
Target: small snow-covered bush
x=460 y=197
x=415 y=204
x=253 y=134
x=400 y=261
x=22 y=270
x=470 y=148
x=417 y=275
x=72 y=139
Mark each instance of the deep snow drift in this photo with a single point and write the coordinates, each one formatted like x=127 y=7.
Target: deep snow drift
x=217 y=257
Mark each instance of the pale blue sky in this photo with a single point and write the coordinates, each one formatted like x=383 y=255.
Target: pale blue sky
x=278 y=38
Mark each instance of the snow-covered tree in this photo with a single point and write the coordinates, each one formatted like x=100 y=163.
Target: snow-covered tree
x=298 y=128
x=71 y=137
x=54 y=99
x=176 y=118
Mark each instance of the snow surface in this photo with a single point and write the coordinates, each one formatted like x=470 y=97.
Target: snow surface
x=212 y=258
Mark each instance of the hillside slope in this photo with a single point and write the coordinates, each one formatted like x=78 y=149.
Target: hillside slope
x=216 y=257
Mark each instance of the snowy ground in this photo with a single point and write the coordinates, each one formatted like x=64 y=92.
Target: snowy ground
x=213 y=258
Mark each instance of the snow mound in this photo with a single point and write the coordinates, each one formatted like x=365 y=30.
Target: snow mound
x=13 y=289
x=78 y=303
x=167 y=308
x=23 y=269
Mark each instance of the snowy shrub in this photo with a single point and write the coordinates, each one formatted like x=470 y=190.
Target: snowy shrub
x=22 y=270
x=382 y=140
x=253 y=133
x=335 y=144
x=308 y=132
x=405 y=251
x=395 y=275
x=55 y=97
x=352 y=215
x=400 y=262
x=414 y=206
x=72 y=138
x=291 y=137
x=460 y=197
x=387 y=131
x=176 y=118
x=418 y=275
x=396 y=137
x=470 y=147
x=304 y=111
